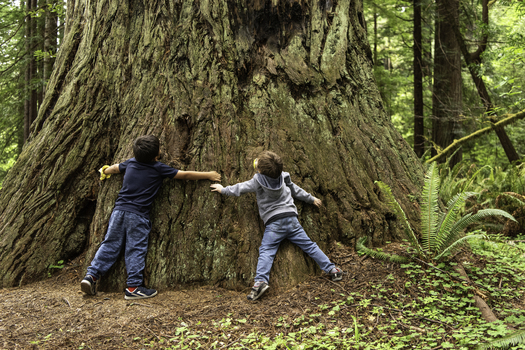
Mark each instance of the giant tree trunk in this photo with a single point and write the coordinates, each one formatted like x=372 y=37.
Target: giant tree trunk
x=218 y=81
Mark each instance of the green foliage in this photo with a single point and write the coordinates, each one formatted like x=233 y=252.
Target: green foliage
x=362 y=249
x=442 y=233
x=13 y=62
x=416 y=307
x=505 y=342
x=389 y=28
x=11 y=85
x=495 y=188
x=52 y=267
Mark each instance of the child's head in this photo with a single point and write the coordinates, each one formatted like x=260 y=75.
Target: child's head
x=146 y=148
x=270 y=164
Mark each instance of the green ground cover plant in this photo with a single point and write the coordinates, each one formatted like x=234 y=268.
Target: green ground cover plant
x=433 y=309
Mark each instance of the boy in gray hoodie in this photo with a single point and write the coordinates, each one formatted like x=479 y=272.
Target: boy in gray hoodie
x=275 y=193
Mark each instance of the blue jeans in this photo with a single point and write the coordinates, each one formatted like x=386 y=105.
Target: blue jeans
x=127 y=230
x=291 y=229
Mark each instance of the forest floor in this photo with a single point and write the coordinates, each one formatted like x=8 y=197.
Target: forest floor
x=54 y=313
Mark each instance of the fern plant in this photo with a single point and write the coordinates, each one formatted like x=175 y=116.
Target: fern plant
x=442 y=233
x=515 y=338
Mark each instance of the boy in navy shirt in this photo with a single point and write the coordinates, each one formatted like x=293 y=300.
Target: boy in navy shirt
x=129 y=224
x=275 y=193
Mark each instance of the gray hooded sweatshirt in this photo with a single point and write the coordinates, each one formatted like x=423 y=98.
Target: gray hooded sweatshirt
x=274 y=196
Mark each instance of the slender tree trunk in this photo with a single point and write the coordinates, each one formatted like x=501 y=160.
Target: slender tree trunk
x=30 y=109
x=375 y=35
x=218 y=82
x=50 y=39
x=473 y=61
x=40 y=45
x=26 y=73
x=447 y=94
x=419 y=125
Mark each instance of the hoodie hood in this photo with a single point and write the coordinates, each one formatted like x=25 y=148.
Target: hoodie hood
x=270 y=183
x=272 y=187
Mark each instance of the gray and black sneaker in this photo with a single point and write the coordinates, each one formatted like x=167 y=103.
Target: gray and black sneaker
x=258 y=289
x=89 y=285
x=336 y=274
x=140 y=293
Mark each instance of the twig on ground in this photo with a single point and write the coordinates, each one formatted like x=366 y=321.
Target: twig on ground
x=152 y=333
x=228 y=345
x=421 y=330
x=337 y=284
x=67 y=302
x=420 y=317
x=146 y=305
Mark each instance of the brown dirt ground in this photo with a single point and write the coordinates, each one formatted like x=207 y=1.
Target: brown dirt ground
x=54 y=314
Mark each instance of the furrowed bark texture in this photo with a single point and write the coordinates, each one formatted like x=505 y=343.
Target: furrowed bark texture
x=218 y=82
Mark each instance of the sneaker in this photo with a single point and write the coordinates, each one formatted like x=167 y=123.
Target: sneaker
x=89 y=285
x=140 y=293
x=336 y=274
x=258 y=289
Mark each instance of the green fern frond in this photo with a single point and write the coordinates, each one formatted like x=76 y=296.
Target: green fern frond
x=470 y=218
x=459 y=227
x=515 y=197
x=515 y=338
x=361 y=248
x=454 y=207
x=459 y=199
x=474 y=177
x=458 y=243
x=400 y=213
x=430 y=208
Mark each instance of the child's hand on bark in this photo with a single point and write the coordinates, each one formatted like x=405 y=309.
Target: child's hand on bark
x=216 y=188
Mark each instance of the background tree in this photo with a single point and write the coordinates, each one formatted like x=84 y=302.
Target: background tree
x=473 y=62
x=218 y=82
x=407 y=96
x=447 y=86
x=30 y=34
x=501 y=37
x=419 y=110
x=11 y=84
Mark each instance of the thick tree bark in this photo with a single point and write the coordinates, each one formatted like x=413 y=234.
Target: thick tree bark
x=218 y=82
x=447 y=93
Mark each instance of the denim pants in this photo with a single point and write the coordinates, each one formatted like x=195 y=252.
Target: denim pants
x=291 y=229
x=130 y=231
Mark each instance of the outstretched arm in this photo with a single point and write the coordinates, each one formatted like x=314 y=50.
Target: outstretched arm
x=112 y=170
x=198 y=175
x=237 y=189
x=299 y=193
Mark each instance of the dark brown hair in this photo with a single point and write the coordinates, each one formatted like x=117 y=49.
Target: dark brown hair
x=270 y=164
x=146 y=148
